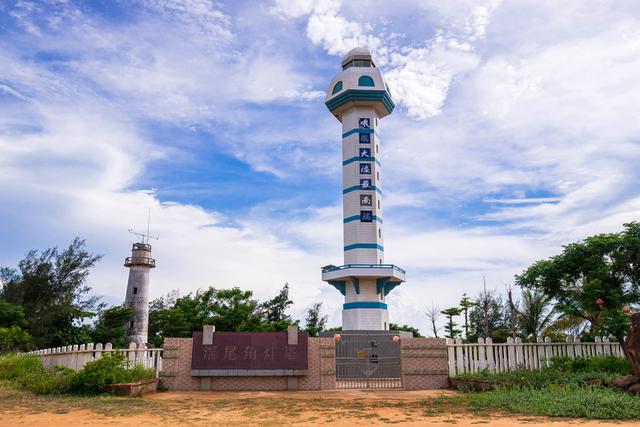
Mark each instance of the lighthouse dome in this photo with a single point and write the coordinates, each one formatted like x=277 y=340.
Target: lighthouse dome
x=359 y=57
x=359 y=83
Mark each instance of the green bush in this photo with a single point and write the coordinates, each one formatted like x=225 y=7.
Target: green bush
x=56 y=380
x=610 y=364
x=14 y=366
x=559 y=401
x=540 y=378
x=27 y=372
x=14 y=338
x=140 y=373
x=110 y=369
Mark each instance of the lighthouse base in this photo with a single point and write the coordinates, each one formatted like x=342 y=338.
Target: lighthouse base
x=361 y=316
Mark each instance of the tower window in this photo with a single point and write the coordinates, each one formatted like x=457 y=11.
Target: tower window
x=131 y=324
x=378 y=176
x=365 y=81
x=359 y=63
x=337 y=88
x=378 y=204
x=135 y=291
x=379 y=233
x=376 y=148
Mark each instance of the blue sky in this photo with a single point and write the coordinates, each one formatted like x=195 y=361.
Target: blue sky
x=516 y=131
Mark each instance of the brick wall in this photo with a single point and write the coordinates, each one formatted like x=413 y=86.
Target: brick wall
x=424 y=363
x=176 y=369
x=176 y=374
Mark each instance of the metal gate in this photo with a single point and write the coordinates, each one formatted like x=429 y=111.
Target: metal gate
x=368 y=359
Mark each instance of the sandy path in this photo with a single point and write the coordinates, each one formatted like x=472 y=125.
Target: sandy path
x=371 y=408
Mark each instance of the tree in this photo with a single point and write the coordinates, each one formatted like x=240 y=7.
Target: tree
x=466 y=303
x=314 y=321
x=51 y=288
x=535 y=314
x=12 y=315
x=450 y=327
x=513 y=312
x=274 y=310
x=593 y=279
x=487 y=317
x=159 y=322
x=111 y=326
x=433 y=314
x=13 y=339
x=406 y=328
x=13 y=325
x=235 y=310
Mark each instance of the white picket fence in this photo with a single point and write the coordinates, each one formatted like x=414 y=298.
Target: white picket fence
x=76 y=356
x=515 y=354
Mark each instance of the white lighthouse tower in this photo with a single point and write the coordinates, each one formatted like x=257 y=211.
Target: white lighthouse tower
x=137 y=298
x=358 y=97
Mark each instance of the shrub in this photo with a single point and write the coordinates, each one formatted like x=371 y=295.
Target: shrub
x=56 y=380
x=560 y=401
x=14 y=366
x=98 y=374
x=110 y=369
x=610 y=364
x=139 y=373
x=14 y=338
x=27 y=372
x=539 y=378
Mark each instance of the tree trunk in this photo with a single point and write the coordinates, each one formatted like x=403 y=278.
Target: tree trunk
x=631 y=347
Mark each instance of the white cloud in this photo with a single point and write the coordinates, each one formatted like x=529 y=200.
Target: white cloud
x=527 y=114
x=420 y=77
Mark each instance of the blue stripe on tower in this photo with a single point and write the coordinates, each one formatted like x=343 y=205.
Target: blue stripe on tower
x=364 y=246
x=364 y=304
x=357 y=217
x=357 y=130
x=361 y=159
x=357 y=187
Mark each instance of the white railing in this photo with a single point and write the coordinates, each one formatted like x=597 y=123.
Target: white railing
x=514 y=354
x=76 y=356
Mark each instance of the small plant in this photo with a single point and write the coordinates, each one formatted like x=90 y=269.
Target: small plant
x=610 y=364
x=13 y=366
x=27 y=372
x=559 y=401
x=56 y=380
x=98 y=374
x=110 y=369
x=538 y=378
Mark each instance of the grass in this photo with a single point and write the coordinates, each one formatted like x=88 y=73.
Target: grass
x=28 y=373
x=569 y=388
x=559 y=401
x=563 y=371
x=541 y=378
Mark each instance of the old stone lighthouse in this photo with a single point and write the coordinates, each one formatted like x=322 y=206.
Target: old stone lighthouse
x=137 y=298
x=359 y=98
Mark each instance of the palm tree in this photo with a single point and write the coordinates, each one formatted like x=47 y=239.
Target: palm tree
x=535 y=313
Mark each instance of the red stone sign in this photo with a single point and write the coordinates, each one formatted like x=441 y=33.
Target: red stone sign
x=250 y=351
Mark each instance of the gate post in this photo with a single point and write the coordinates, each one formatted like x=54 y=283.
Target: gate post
x=327 y=361
x=424 y=363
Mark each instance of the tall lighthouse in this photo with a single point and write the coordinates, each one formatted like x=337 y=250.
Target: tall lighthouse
x=137 y=298
x=359 y=98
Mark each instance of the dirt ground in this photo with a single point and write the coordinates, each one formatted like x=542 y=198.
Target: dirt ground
x=334 y=408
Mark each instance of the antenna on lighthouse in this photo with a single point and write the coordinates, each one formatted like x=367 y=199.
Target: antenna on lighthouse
x=147 y=236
